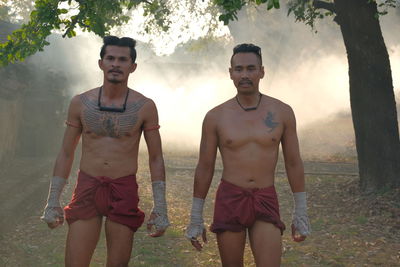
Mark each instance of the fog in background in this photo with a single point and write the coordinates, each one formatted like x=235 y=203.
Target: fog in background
x=307 y=70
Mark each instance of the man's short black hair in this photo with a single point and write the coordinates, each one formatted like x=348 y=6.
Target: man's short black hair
x=124 y=41
x=247 y=48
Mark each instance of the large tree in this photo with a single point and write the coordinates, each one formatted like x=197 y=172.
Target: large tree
x=371 y=87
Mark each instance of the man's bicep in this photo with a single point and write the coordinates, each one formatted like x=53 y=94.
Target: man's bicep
x=150 y=119
x=73 y=117
x=290 y=143
x=209 y=141
x=73 y=129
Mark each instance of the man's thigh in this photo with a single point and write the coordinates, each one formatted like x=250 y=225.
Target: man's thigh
x=231 y=248
x=82 y=239
x=266 y=243
x=119 y=243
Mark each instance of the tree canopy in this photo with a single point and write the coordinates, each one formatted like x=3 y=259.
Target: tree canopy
x=100 y=16
x=66 y=15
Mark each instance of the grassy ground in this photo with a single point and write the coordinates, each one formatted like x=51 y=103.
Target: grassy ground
x=349 y=229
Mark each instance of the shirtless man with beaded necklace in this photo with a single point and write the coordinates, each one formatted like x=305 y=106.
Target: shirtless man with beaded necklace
x=248 y=130
x=110 y=120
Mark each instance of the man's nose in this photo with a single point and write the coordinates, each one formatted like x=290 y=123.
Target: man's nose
x=115 y=63
x=244 y=74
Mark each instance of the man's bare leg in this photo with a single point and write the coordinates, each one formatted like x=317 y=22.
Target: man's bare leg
x=266 y=244
x=82 y=239
x=119 y=244
x=231 y=248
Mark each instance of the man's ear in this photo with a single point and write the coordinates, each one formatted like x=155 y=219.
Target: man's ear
x=133 y=67
x=262 y=72
x=100 y=62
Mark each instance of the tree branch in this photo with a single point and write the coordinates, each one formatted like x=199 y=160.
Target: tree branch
x=325 y=5
x=71 y=26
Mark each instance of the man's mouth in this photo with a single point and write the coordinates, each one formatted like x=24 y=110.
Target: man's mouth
x=244 y=83
x=115 y=71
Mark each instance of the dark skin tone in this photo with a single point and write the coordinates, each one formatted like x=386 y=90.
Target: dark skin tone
x=249 y=142
x=110 y=143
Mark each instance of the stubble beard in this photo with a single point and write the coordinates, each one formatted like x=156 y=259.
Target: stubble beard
x=114 y=81
x=247 y=90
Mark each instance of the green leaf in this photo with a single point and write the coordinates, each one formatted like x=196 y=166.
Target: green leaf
x=270 y=4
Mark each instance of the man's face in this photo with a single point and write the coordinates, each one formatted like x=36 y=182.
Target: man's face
x=117 y=64
x=246 y=72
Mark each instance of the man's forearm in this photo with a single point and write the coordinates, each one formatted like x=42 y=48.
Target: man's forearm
x=157 y=169
x=295 y=173
x=202 y=181
x=63 y=165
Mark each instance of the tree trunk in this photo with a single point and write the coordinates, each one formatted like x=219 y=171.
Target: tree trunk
x=371 y=95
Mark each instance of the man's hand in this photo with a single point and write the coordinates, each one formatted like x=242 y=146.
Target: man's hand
x=301 y=227
x=159 y=214
x=53 y=214
x=160 y=222
x=296 y=236
x=196 y=227
x=193 y=231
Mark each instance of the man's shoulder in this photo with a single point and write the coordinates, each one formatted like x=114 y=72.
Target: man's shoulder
x=221 y=107
x=90 y=92
x=277 y=104
x=89 y=96
x=217 y=112
x=142 y=100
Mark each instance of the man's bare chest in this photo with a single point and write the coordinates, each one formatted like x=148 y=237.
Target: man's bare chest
x=264 y=129
x=110 y=124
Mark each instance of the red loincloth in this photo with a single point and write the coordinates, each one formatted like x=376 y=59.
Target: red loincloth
x=116 y=199
x=237 y=208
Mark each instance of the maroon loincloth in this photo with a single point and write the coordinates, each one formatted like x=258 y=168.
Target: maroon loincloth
x=116 y=199
x=237 y=208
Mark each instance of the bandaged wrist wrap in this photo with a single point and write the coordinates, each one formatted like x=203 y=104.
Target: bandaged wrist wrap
x=53 y=211
x=160 y=205
x=196 y=226
x=56 y=187
x=300 y=218
x=196 y=216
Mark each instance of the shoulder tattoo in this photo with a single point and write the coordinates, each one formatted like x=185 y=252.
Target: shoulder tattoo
x=112 y=124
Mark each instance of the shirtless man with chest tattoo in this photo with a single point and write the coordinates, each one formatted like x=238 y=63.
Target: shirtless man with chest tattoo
x=248 y=130
x=110 y=119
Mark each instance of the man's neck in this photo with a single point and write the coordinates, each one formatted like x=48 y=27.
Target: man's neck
x=114 y=90
x=250 y=99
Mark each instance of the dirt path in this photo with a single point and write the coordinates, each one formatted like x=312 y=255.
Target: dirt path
x=348 y=229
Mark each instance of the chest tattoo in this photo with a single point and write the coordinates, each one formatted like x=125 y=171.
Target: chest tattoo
x=270 y=122
x=112 y=124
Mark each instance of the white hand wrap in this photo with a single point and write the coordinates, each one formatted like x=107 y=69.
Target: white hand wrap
x=300 y=218
x=53 y=211
x=196 y=226
x=161 y=222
